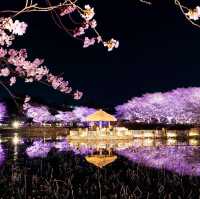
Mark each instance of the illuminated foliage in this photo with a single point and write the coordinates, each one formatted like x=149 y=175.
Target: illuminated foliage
x=179 y=106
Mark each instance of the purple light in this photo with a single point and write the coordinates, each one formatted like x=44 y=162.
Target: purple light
x=39 y=114
x=3 y=112
x=41 y=149
x=2 y=155
x=179 y=106
x=179 y=159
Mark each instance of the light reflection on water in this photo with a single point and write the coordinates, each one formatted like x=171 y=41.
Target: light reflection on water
x=180 y=156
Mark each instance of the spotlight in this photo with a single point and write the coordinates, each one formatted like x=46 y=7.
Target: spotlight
x=16 y=124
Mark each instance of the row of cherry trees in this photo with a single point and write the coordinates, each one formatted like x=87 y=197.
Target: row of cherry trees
x=40 y=114
x=179 y=106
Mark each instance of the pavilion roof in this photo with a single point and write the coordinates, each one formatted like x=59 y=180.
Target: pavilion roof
x=100 y=115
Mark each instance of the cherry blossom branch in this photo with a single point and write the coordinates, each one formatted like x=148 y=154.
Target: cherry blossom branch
x=146 y=2
x=190 y=14
x=67 y=8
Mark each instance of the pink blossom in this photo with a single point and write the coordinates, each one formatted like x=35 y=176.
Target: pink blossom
x=88 y=42
x=67 y=10
x=12 y=80
x=88 y=13
x=78 y=95
x=27 y=99
x=79 y=31
x=93 y=23
x=12 y=52
x=3 y=52
x=111 y=44
x=19 y=28
x=5 y=72
x=99 y=39
x=6 y=39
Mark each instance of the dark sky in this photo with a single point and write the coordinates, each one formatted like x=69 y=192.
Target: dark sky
x=159 y=51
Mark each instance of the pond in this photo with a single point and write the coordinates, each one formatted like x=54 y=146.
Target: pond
x=54 y=167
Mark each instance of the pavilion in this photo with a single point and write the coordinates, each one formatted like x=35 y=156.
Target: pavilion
x=101 y=116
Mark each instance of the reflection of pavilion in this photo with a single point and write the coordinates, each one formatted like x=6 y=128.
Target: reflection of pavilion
x=101 y=160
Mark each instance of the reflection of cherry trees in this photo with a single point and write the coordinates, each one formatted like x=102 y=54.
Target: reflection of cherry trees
x=181 y=106
x=39 y=148
x=3 y=111
x=179 y=159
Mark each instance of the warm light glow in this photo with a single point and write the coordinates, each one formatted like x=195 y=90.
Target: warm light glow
x=171 y=142
x=148 y=134
x=16 y=124
x=148 y=142
x=171 y=134
x=15 y=140
x=193 y=142
x=193 y=133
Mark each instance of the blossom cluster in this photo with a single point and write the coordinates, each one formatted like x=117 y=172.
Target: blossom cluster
x=87 y=14
x=194 y=14
x=179 y=106
x=14 y=63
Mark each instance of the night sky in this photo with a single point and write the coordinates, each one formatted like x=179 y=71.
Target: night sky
x=159 y=51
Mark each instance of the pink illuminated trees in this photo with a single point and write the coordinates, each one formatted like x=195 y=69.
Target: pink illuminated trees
x=179 y=106
x=77 y=115
x=41 y=114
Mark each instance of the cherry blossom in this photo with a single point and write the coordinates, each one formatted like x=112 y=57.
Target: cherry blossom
x=12 y=81
x=89 y=42
x=19 y=28
x=88 y=13
x=3 y=52
x=67 y=10
x=111 y=44
x=5 y=72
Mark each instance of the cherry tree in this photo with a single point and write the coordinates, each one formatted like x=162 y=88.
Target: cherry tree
x=15 y=63
x=179 y=106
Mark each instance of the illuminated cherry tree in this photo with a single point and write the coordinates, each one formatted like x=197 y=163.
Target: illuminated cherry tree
x=82 y=112
x=179 y=106
x=77 y=115
x=40 y=113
